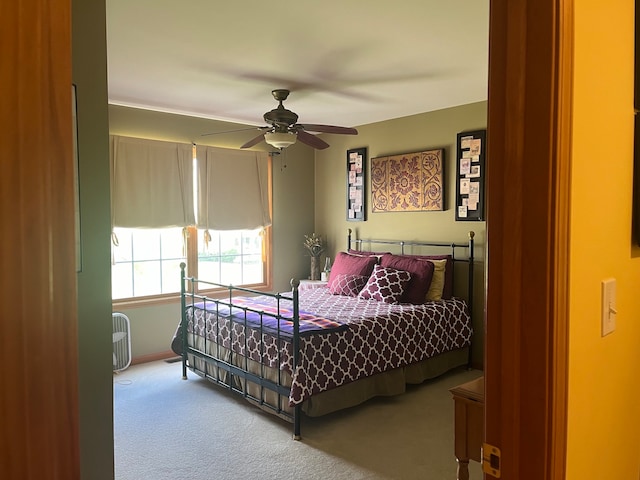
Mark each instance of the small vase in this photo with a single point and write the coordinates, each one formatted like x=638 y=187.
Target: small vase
x=315 y=268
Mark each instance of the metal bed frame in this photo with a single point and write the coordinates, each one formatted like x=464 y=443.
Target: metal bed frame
x=453 y=246
x=241 y=373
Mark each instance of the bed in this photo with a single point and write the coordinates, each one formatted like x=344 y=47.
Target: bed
x=382 y=321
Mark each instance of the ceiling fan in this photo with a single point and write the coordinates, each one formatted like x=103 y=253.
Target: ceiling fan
x=283 y=129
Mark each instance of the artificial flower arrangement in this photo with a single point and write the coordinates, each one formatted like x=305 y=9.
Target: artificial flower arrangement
x=314 y=244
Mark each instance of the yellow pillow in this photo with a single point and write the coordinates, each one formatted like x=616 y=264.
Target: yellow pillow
x=437 y=282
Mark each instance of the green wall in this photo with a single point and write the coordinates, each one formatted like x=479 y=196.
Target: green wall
x=94 y=281
x=404 y=135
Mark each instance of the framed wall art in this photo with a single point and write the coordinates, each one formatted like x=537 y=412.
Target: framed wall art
x=470 y=175
x=409 y=182
x=356 y=193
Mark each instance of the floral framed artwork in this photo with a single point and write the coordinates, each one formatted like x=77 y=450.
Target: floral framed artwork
x=409 y=182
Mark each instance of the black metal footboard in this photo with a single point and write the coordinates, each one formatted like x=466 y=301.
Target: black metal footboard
x=228 y=332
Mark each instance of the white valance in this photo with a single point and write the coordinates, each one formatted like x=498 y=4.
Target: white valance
x=233 y=189
x=151 y=183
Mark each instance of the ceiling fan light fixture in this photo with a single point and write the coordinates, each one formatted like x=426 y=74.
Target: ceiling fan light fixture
x=280 y=139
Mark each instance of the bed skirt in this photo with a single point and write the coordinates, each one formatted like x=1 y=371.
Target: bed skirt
x=389 y=383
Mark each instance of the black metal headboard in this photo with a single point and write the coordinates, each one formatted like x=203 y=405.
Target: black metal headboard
x=454 y=248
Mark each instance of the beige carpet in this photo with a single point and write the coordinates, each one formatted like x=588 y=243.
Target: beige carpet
x=168 y=428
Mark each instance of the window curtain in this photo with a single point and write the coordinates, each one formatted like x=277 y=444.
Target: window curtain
x=151 y=183
x=233 y=189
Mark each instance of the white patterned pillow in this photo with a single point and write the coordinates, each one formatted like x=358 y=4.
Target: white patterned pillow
x=385 y=284
x=349 y=285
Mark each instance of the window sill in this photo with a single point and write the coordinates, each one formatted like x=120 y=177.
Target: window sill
x=175 y=297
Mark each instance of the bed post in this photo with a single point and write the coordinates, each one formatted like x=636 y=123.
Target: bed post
x=472 y=234
x=349 y=240
x=183 y=320
x=297 y=411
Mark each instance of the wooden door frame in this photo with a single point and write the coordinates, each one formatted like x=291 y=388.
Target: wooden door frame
x=528 y=180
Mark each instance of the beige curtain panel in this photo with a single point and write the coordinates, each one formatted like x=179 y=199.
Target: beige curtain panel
x=233 y=189
x=151 y=183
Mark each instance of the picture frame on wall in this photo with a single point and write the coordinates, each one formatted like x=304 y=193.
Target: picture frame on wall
x=356 y=184
x=470 y=175
x=408 y=182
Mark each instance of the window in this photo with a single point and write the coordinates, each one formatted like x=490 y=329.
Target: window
x=146 y=262
x=172 y=203
x=231 y=257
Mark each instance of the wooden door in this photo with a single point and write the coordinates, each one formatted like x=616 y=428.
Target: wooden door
x=528 y=133
x=38 y=341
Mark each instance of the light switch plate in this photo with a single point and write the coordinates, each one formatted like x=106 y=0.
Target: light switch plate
x=608 y=306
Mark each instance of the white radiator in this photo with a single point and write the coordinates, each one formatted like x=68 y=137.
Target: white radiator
x=121 y=342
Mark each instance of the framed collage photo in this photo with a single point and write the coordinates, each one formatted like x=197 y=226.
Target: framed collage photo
x=356 y=190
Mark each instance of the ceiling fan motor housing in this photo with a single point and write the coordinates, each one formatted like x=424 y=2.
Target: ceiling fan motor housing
x=280 y=116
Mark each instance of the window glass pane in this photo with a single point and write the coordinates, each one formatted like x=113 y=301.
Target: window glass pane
x=146 y=262
x=213 y=247
x=171 y=243
x=252 y=269
x=122 y=252
x=229 y=245
x=171 y=276
x=233 y=257
x=121 y=281
x=230 y=271
x=209 y=269
x=146 y=278
x=146 y=245
x=252 y=243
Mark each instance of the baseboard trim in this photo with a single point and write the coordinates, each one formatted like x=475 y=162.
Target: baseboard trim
x=152 y=357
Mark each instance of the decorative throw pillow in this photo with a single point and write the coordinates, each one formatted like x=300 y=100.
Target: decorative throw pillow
x=348 y=285
x=447 y=290
x=421 y=275
x=437 y=282
x=345 y=264
x=385 y=284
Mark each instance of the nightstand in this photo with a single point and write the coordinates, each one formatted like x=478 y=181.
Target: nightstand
x=469 y=424
x=309 y=284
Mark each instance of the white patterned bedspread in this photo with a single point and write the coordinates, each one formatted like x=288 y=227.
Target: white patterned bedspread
x=379 y=337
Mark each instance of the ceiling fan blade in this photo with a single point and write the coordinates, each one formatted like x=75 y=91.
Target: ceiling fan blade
x=328 y=129
x=253 y=141
x=312 y=140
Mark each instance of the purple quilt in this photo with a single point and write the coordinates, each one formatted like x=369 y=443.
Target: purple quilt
x=273 y=318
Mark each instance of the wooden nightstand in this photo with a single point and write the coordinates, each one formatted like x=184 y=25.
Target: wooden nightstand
x=308 y=284
x=469 y=424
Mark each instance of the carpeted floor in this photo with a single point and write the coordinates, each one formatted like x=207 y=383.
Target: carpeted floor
x=170 y=429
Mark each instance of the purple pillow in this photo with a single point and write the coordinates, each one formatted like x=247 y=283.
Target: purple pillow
x=345 y=264
x=363 y=253
x=421 y=275
x=348 y=285
x=385 y=284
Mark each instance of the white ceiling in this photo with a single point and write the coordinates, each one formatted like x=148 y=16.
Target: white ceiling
x=346 y=62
